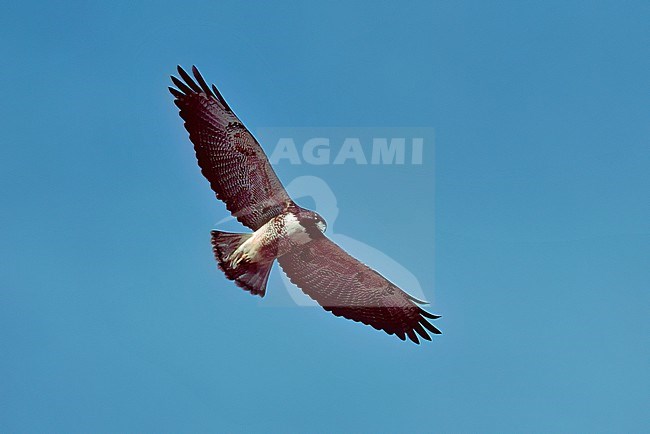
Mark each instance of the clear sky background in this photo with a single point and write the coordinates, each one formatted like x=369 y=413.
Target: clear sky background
x=114 y=318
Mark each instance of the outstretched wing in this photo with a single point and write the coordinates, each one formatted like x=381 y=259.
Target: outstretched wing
x=348 y=288
x=228 y=154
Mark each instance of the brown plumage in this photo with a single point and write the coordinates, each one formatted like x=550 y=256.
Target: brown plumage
x=229 y=156
x=241 y=176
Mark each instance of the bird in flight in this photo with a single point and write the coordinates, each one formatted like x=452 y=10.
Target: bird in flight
x=241 y=176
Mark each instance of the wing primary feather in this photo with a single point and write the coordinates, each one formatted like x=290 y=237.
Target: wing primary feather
x=177 y=93
x=201 y=81
x=400 y=334
x=416 y=300
x=418 y=328
x=182 y=86
x=430 y=327
x=413 y=336
x=220 y=98
x=429 y=315
x=185 y=76
x=229 y=156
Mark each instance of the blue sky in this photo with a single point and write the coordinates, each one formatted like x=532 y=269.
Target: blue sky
x=530 y=222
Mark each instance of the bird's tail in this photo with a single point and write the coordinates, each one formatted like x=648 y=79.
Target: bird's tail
x=247 y=274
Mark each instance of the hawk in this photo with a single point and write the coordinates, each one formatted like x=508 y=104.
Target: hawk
x=234 y=163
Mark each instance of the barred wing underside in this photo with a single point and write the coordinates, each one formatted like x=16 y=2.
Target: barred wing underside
x=346 y=287
x=229 y=156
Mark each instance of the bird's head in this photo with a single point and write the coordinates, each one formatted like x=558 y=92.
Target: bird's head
x=311 y=219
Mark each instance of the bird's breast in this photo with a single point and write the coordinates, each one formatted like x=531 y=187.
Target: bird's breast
x=296 y=232
x=276 y=238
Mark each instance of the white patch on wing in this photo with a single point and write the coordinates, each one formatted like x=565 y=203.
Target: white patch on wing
x=295 y=230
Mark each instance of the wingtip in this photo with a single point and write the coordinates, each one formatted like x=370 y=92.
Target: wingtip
x=177 y=93
x=412 y=336
x=417 y=300
x=423 y=334
x=202 y=83
x=220 y=98
x=428 y=315
x=182 y=86
x=433 y=329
